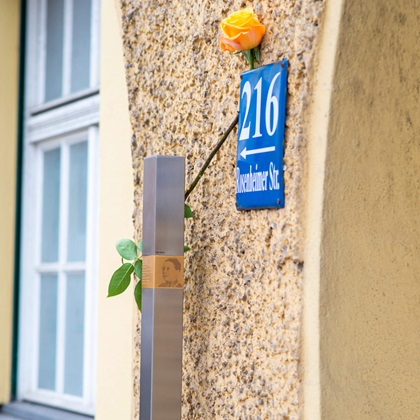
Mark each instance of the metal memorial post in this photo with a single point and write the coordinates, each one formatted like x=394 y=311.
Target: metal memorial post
x=163 y=280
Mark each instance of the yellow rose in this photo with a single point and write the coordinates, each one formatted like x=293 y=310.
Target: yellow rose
x=242 y=31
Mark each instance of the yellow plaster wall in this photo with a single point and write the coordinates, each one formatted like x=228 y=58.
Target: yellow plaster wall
x=243 y=277
x=114 y=397
x=9 y=72
x=370 y=267
x=318 y=123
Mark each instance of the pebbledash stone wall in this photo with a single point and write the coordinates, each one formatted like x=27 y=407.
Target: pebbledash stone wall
x=244 y=275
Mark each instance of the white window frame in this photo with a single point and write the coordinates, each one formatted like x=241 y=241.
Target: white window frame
x=64 y=121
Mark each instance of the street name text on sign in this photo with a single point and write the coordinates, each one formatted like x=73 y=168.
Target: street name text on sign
x=259 y=161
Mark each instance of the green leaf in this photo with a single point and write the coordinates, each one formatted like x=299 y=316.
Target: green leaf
x=137 y=269
x=127 y=249
x=120 y=280
x=187 y=211
x=186 y=248
x=137 y=294
x=140 y=246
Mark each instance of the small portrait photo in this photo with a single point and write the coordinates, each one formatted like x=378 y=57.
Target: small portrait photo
x=172 y=273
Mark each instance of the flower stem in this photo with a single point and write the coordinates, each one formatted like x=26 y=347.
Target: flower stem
x=251 y=62
x=211 y=156
x=250 y=57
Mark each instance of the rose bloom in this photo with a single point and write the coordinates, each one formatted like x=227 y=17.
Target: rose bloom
x=242 y=31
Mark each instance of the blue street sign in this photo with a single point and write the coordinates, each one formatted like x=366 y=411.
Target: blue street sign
x=259 y=161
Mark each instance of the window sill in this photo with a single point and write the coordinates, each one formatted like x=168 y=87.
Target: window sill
x=30 y=411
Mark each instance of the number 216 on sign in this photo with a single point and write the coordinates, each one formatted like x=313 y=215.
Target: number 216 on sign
x=262 y=108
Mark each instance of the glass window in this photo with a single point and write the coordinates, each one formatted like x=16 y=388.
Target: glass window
x=76 y=238
x=80 y=54
x=54 y=53
x=75 y=331
x=58 y=267
x=68 y=51
x=50 y=205
x=47 y=332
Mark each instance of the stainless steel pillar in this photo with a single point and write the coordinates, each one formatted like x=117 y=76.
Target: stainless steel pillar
x=163 y=280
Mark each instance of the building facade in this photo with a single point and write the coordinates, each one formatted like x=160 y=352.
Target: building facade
x=310 y=311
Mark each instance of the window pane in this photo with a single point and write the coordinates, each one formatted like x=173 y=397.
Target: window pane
x=50 y=205
x=80 y=56
x=47 y=332
x=54 y=59
x=77 y=202
x=75 y=321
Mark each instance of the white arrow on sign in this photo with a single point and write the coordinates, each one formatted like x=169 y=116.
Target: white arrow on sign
x=245 y=152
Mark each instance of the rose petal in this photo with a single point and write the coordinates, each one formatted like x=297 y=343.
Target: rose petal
x=250 y=39
x=228 y=45
x=238 y=21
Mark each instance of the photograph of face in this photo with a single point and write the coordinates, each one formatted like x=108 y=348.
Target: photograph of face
x=171 y=273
